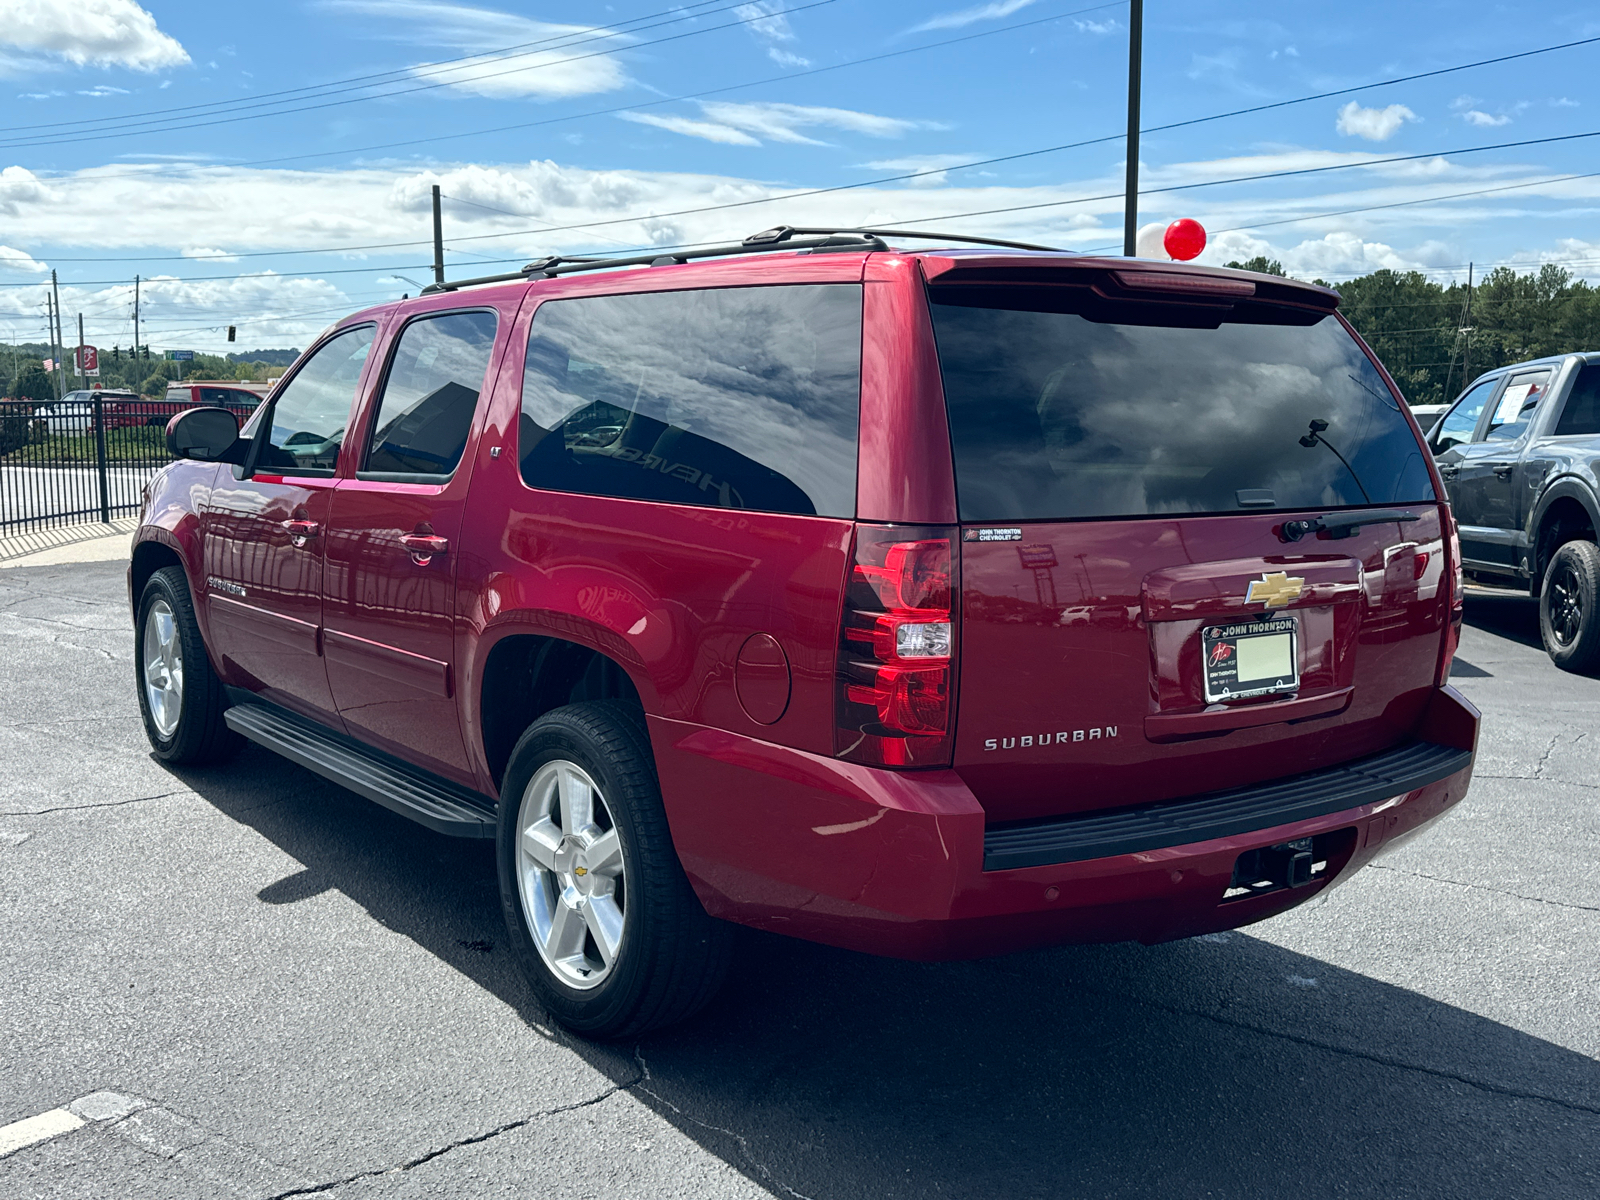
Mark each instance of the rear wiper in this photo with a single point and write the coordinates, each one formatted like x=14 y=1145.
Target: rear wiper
x=1314 y=438
x=1343 y=525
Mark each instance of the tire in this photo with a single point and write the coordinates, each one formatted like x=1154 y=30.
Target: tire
x=184 y=723
x=601 y=916
x=1569 y=608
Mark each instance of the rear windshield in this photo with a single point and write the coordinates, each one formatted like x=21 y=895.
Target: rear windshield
x=1057 y=415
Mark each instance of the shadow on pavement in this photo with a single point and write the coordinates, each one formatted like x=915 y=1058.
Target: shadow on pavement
x=1505 y=614
x=1222 y=1067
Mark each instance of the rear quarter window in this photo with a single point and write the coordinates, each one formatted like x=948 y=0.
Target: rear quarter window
x=1061 y=414
x=729 y=397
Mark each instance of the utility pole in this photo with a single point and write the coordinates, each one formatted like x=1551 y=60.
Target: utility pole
x=438 y=234
x=135 y=321
x=77 y=355
x=61 y=374
x=1466 y=353
x=1130 y=201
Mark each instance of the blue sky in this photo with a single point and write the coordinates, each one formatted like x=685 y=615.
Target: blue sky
x=263 y=165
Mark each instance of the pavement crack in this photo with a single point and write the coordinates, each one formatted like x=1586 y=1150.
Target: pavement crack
x=1480 y=887
x=39 y=812
x=1538 y=779
x=1544 y=759
x=744 y=1142
x=411 y=1164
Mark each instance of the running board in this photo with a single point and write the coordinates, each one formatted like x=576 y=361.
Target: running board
x=435 y=803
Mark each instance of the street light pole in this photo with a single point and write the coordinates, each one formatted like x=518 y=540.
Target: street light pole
x=1130 y=202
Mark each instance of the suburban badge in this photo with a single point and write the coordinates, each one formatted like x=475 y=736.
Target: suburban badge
x=1274 y=590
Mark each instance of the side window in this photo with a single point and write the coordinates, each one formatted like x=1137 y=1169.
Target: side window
x=1518 y=403
x=1458 y=424
x=1582 y=411
x=431 y=394
x=729 y=397
x=306 y=425
x=217 y=396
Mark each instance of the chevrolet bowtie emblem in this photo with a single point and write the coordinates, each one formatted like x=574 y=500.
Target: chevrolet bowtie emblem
x=1274 y=590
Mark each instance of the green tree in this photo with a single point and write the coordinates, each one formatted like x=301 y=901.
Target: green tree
x=154 y=385
x=1261 y=264
x=33 y=383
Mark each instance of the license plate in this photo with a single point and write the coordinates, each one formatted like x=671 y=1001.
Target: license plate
x=1250 y=658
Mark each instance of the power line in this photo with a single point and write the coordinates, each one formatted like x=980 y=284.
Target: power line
x=471 y=133
x=110 y=132
x=681 y=12
x=870 y=59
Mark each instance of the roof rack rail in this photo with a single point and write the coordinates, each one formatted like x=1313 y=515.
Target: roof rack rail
x=780 y=237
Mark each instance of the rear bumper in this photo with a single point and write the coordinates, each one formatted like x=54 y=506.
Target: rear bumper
x=893 y=863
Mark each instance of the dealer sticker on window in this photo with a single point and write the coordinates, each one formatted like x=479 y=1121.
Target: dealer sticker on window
x=1250 y=658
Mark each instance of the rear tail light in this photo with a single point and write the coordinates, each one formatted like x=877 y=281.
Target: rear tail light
x=1455 y=599
x=895 y=690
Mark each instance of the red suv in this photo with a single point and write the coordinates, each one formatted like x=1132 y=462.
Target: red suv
x=930 y=604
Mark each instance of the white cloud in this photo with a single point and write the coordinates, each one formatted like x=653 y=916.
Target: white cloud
x=1563 y=102
x=541 y=74
x=291 y=211
x=767 y=20
x=19 y=186
x=104 y=89
x=208 y=253
x=934 y=164
x=1374 y=124
x=688 y=127
x=109 y=33
x=971 y=16
x=1478 y=117
x=784 y=59
x=17 y=260
x=1109 y=25
x=746 y=124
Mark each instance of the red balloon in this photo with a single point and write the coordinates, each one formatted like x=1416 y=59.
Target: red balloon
x=1184 y=239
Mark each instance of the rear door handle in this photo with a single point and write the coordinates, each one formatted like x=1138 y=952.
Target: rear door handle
x=1505 y=470
x=301 y=531
x=1449 y=472
x=424 y=546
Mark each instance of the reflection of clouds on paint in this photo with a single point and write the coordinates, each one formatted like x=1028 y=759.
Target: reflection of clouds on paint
x=771 y=372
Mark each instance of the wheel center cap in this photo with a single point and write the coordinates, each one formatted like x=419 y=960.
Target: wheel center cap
x=572 y=864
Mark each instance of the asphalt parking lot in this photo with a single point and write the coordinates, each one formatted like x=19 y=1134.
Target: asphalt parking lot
x=244 y=981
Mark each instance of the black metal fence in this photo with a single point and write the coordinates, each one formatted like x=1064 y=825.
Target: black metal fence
x=71 y=461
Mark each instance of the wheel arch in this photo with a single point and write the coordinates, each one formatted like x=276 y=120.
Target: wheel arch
x=526 y=672
x=151 y=554
x=1568 y=511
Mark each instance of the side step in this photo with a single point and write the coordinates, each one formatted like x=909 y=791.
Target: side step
x=436 y=803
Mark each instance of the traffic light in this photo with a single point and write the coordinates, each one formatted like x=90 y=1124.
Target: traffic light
x=230 y=333
x=116 y=353
x=146 y=353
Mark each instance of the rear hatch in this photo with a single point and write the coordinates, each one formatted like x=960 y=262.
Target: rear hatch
x=1143 y=616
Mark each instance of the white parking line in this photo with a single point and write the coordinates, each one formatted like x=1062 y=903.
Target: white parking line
x=32 y=1130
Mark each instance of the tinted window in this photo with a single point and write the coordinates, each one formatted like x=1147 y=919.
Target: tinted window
x=1517 y=405
x=431 y=394
x=1057 y=414
x=735 y=397
x=1582 y=411
x=308 y=419
x=1456 y=429
x=215 y=395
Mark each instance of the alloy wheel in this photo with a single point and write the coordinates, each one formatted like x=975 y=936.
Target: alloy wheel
x=1566 y=605
x=570 y=874
x=163 y=668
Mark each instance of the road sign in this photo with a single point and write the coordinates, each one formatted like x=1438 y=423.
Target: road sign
x=180 y=356
x=88 y=362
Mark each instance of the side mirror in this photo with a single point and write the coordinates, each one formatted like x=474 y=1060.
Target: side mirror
x=205 y=435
